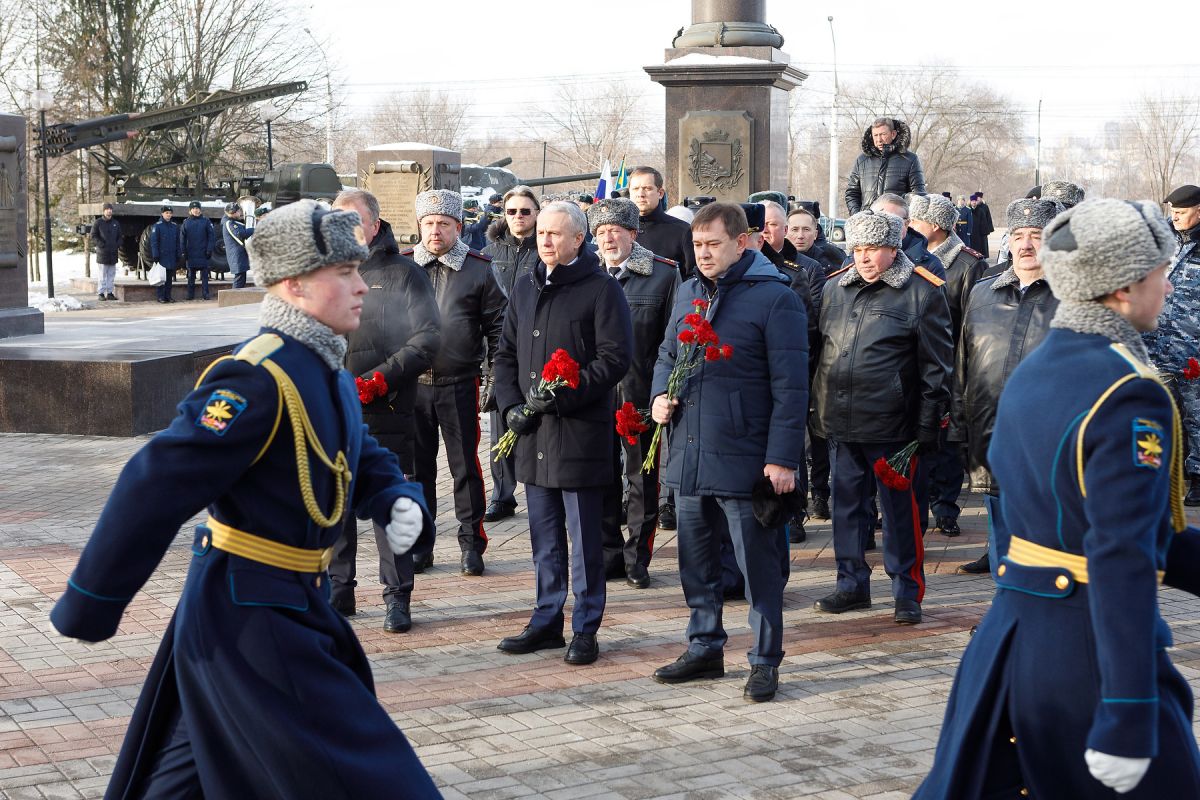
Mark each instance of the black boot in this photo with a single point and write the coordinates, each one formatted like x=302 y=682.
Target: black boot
x=397 y=619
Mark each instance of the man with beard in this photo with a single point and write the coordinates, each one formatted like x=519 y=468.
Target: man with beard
x=649 y=283
x=886 y=165
x=1007 y=315
x=1177 y=339
x=512 y=247
x=398 y=337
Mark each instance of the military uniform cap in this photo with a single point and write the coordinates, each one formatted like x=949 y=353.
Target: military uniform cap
x=756 y=216
x=194 y=204
x=439 y=201
x=1186 y=196
x=1065 y=192
x=302 y=237
x=165 y=208
x=614 y=211
x=873 y=229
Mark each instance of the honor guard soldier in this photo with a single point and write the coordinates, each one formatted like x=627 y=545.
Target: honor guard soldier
x=1066 y=690
x=472 y=309
x=259 y=689
x=649 y=282
x=199 y=239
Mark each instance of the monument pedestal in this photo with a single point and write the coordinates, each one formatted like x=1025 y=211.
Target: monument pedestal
x=21 y=322
x=16 y=316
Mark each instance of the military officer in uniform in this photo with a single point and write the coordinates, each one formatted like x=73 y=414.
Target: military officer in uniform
x=1175 y=340
x=1066 y=689
x=259 y=689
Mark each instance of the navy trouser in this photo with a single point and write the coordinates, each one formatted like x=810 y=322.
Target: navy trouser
x=555 y=515
x=163 y=291
x=504 y=477
x=854 y=486
x=454 y=409
x=945 y=480
x=191 y=282
x=174 y=774
x=762 y=558
x=642 y=515
x=239 y=280
x=818 y=456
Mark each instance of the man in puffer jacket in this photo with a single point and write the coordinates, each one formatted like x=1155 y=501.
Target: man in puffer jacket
x=886 y=165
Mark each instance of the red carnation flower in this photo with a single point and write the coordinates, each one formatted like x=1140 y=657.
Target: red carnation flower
x=1192 y=370
x=700 y=304
x=693 y=319
x=726 y=351
x=712 y=354
x=687 y=336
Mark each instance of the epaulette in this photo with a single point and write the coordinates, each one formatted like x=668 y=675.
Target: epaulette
x=663 y=260
x=479 y=255
x=975 y=253
x=408 y=252
x=929 y=276
x=258 y=349
x=837 y=272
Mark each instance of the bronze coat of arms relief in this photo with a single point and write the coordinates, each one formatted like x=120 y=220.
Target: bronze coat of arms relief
x=715 y=162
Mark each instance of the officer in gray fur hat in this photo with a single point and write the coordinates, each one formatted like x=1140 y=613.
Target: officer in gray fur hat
x=882 y=381
x=271 y=442
x=1088 y=448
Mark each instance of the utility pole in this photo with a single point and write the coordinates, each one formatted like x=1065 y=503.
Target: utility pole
x=1037 y=164
x=831 y=210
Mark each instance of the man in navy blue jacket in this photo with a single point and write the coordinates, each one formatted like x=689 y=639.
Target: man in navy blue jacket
x=166 y=248
x=199 y=239
x=735 y=421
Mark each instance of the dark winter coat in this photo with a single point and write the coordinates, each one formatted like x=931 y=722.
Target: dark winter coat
x=106 y=233
x=650 y=283
x=965 y=269
x=511 y=257
x=800 y=271
x=582 y=310
x=829 y=254
x=966 y=221
x=669 y=237
x=737 y=416
x=1001 y=326
x=981 y=227
x=886 y=356
x=199 y=239
x=876 y=172
x=235 y=235
x=166 y=244
x=399 y=330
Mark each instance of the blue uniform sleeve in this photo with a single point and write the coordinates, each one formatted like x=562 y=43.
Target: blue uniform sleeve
x=154 y=242
x=379 y=483
x=1126 y=451
x=219 y=430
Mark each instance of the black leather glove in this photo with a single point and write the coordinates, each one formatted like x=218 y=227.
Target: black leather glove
x=519 y=422
x=540 y=401
x=487 y=394
x=929 y=440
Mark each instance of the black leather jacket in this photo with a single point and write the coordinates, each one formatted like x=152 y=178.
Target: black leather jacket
x=669 y=237
x=894 y=169
x=1001 y=326
x=886 y=352
x=511 y=257
x=649 y=283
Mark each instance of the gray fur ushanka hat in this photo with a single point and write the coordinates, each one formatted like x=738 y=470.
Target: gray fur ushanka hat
x=439 y=201
x=1031 y=213
x=614 y=211
x=873 y=229
x=302 y=237
x=1102 y=245
x=934 y=209
x=1065 y=192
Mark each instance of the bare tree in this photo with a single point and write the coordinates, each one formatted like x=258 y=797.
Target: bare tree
x=421 y=115
x=1165 y=132
x=583 y=126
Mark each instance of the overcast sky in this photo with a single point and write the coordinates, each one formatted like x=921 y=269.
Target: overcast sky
x=1086 y=67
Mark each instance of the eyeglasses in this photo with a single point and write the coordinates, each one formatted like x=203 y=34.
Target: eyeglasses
x=524 y=212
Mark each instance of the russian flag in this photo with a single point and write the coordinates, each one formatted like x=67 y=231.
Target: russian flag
x=602 y=188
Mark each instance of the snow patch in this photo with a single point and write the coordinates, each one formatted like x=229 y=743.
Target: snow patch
x=704 y=58
x=62 y=302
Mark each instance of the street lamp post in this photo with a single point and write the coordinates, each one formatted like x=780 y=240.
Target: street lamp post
x=268 y=114
x=328 y=99
x=43 y=100
x=833 y=139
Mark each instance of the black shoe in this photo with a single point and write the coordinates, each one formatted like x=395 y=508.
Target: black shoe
x=666 y=517
x=112 y=296
x=498 y=511
x=819 y=509
x=397 y=619
x=796 y=534
x=1193 y=495
x=842 y=600
x=980 y=566
x=948 y=526
x=690 y=667
x=161 y=300
x=205 y=297
x=637 y=576
x=343 y=604
x=762 y=683
x=191 y=297
x=908 y=612
x=169 y=300
x=870 y=543
x=422 y=562
x=472 y=563
x=532 y=639
x=102 y=297
x=583 y=649
x=734 y=593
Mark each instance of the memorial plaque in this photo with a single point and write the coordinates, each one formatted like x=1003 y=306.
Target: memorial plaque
x=16 y=317
x=719 y=148
x=396 y=173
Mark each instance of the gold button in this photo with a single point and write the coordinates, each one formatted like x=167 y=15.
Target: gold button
x=1003 y=569
x=204 y=541
x=1062 y=582
x=1024 y=793
x=1012 y=740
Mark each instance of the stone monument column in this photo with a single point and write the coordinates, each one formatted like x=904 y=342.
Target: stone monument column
x=727 y=86
x=16 y=317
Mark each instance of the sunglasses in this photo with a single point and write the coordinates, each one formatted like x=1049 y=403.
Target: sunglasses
x=524 y=212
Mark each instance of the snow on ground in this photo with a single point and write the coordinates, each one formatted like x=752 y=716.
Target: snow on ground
x=68 y=264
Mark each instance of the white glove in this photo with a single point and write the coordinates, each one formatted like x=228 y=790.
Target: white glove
x=405 y=527
x=1116 y=772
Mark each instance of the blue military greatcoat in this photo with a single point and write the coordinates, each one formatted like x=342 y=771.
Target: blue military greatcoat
x=1072 y=654
x=271 y=684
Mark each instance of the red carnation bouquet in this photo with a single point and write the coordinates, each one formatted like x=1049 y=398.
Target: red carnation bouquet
x=1192 y=370
x=631 y=422
x=561 y=370
x=895 y=472
x=698 y=342
x=371 y=389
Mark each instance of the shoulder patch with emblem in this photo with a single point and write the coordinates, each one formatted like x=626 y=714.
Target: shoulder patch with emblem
x=222 y=408
x=1147 y=443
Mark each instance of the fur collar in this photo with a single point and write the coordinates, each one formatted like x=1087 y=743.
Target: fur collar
x=640 y=261
x=895 y=276
x=286 y=318
x=1010 y=278
x=454 y=259
x=1088 y=316
x=948 y=250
